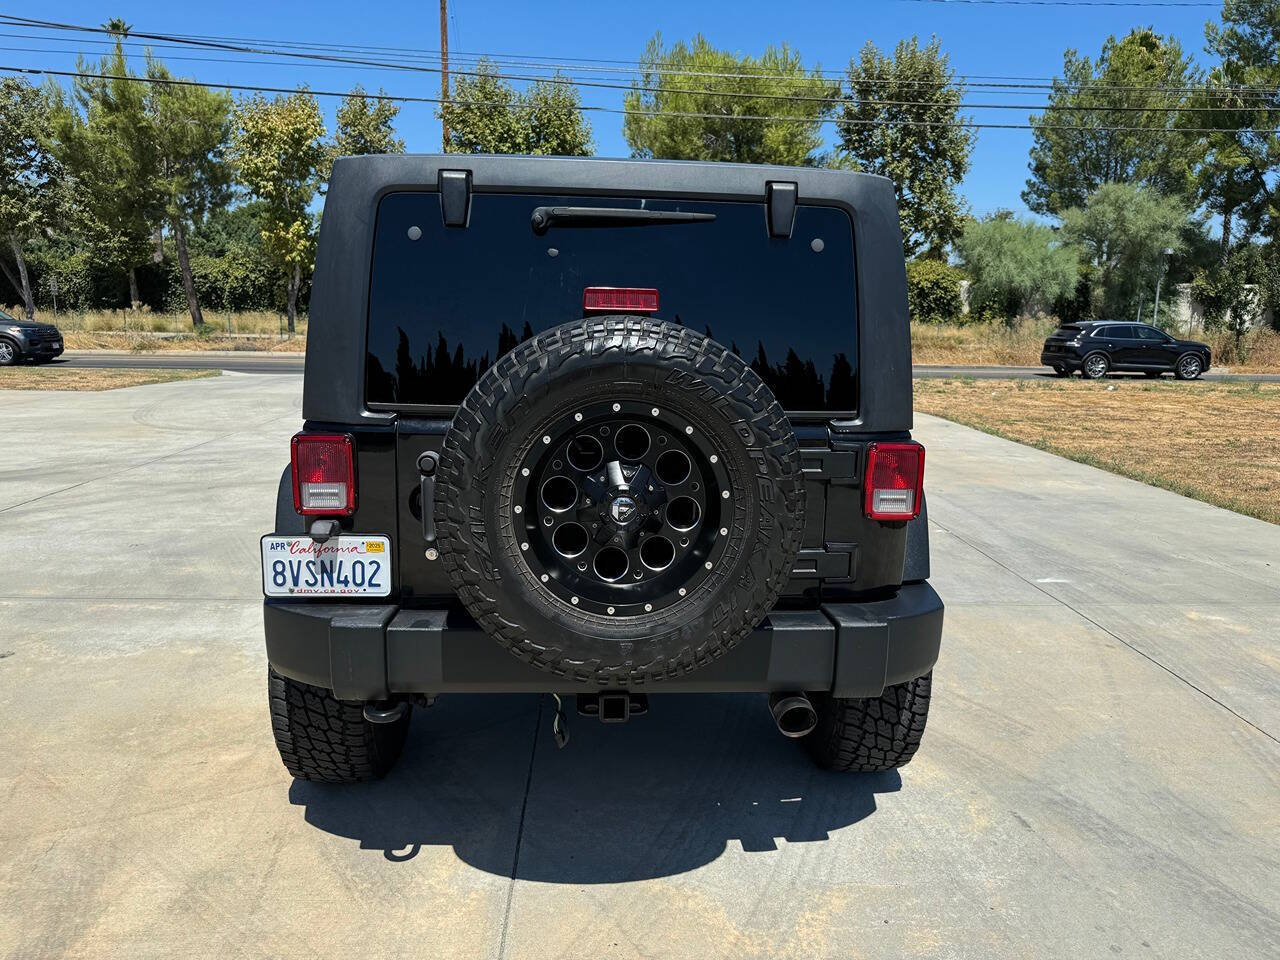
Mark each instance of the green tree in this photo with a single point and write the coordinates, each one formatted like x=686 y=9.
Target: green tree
x=694 y=102
x=28 y=175
x=1122 y=231
x=1227 y=294
x=1138 y=82
x=191 y=125
x=934 y=292
x=107 y=146
x=280 y=156
x=1016 y=266
x=365 y=125
x=901 y=119
x=485 y=114
x=1242 y=96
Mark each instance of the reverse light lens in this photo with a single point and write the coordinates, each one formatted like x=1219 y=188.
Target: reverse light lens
x=630 y=299
x=323 y=474
x=894 y=481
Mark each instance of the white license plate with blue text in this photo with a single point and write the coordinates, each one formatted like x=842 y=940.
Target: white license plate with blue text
x=346 y=566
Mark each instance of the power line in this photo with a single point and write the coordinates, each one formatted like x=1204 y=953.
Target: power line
x=230 y=44
x=858 y=100
x=593 y=108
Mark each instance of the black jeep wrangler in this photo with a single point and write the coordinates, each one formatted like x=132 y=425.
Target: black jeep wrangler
x=605 y=428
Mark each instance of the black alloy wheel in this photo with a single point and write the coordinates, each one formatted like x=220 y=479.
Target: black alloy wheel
x=620 y=505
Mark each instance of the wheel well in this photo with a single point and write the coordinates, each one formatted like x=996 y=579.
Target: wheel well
x=8 y=339
x=1096 y=353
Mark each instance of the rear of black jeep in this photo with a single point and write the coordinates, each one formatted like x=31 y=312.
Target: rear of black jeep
x=604 y=428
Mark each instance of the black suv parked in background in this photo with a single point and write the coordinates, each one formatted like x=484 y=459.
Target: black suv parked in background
x=605 y=428
x=1097 y=348
x=27 y=340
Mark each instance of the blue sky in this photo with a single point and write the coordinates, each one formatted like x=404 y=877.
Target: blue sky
x=1019 y=41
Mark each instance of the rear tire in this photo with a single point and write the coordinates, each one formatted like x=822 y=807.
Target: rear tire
x=323 y=738
x=874 y=734
x=1095 y=366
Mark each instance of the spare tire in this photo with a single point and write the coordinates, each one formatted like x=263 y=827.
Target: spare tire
x=619 y=500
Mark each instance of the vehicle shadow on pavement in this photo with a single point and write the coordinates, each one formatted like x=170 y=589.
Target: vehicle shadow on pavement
x=661 y=795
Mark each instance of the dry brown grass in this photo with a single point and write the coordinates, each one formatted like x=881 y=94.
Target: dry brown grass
x=146 y=343
x=1216 y=442
x=79 y=378
x=265 y=322
x=980 y=344
x=988 y=344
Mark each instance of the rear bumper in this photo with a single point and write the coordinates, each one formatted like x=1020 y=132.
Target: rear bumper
x=371 y=652
x=1070 y=361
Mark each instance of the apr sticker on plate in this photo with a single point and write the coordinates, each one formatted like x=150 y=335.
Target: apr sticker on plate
x=346 y=566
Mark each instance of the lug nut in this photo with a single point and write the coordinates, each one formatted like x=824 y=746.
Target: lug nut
x=433 y=553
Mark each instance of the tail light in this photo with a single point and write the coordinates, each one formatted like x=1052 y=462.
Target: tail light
x=630 y=299
x=894 y=481
x=324 y=474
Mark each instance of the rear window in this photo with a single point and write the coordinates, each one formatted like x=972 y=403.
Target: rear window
x=1066 y=332
x=445 y=303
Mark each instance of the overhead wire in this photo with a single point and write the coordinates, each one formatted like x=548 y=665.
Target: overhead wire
x=233 y=44
x=595 y=108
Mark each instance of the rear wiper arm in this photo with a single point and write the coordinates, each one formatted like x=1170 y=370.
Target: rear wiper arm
x=544 y=218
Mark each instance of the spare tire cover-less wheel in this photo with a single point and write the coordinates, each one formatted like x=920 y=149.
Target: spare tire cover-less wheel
x=619 y=500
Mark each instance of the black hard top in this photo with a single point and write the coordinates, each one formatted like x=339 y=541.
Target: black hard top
x=335 y=366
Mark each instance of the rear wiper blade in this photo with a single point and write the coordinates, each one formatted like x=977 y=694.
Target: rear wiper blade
x=544 y=218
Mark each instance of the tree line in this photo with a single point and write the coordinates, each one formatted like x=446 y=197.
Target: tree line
x=132 y=181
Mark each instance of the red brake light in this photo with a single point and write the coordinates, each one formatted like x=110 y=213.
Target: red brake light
x=894 y=481
x=324 y=475
x=630 y=299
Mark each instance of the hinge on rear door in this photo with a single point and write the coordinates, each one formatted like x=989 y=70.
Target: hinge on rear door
x=830 y=458
x=835 y=561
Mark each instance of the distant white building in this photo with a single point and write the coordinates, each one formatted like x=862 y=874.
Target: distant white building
x=1187 y=316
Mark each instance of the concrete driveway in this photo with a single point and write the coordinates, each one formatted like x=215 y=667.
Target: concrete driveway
x=1100 y=777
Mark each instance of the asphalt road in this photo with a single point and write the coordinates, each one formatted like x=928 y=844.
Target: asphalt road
x=1100 y=777
x=247 y=362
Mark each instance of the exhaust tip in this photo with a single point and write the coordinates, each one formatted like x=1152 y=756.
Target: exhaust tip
x=793 y=714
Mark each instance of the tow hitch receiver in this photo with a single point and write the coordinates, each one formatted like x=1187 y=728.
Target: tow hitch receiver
x=616 y=706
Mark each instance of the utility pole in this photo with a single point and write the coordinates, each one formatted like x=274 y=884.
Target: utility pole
x=444 y=74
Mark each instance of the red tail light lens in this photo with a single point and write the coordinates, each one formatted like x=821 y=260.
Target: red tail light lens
x=630 y=299
x=894 y=481
x=324 y=474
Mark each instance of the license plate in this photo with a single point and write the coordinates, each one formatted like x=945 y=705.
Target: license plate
x=346 y=566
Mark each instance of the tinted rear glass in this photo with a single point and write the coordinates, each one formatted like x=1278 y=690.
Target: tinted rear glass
x=444 y=306
x=1066 y=332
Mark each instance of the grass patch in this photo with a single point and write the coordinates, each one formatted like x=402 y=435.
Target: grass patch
x=1216 y=442
x=149 y=343
x=260 y=322
x=80 y=378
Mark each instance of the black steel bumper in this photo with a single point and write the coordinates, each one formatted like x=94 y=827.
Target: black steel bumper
x=371 y=652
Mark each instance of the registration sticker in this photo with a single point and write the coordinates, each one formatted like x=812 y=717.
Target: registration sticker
x=344 y=566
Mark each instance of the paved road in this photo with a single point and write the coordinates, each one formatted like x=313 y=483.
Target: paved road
x=1100 y=777
x=246 y=362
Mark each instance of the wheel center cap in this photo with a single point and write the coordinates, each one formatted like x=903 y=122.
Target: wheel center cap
x=623 y=510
